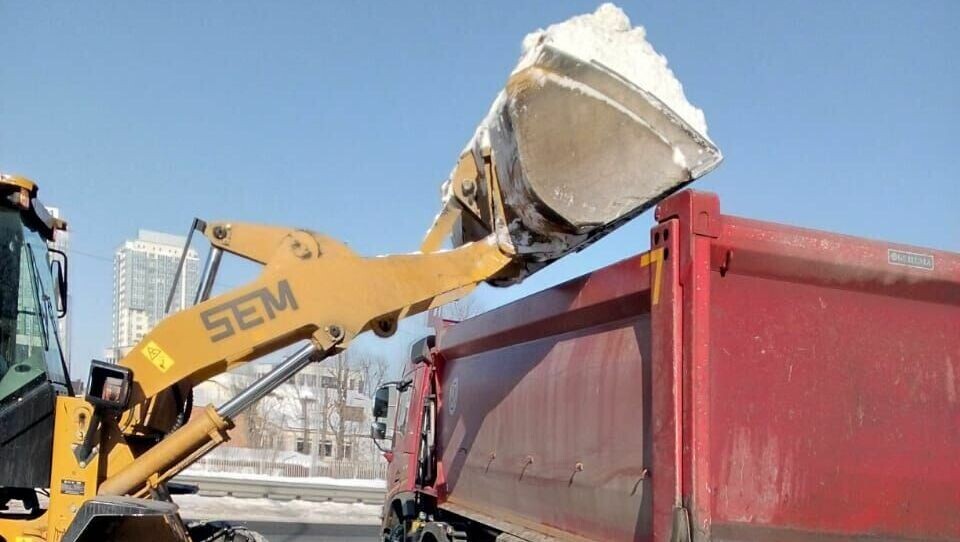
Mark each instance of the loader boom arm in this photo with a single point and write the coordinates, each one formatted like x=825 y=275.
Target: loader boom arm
x=311 y=288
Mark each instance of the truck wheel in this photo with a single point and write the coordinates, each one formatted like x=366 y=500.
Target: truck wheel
x=395 y=529
x=221 y=531
x=441 y=532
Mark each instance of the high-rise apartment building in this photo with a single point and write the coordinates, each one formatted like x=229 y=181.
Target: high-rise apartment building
x=143 y=273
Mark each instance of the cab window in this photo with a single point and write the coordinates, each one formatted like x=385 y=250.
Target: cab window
x=29 y=347
x=403 y=410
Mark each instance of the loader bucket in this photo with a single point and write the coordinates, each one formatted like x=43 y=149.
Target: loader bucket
x=578 y=150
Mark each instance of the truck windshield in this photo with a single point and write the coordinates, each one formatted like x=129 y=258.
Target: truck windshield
x=29 y=347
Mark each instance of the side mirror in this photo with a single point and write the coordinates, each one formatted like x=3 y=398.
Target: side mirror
x=378 y=430
x=58 y=269
x=381 y=402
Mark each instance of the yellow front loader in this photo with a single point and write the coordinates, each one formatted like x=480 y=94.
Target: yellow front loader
x=559 y=169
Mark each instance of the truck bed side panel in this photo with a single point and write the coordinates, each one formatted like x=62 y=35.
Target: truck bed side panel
x=545 y=411
x=834 y=406
x=808 y=389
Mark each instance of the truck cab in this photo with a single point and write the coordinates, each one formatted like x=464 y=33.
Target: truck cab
x=405 y=413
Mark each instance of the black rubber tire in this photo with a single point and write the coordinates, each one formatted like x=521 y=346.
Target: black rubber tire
x=395 y=529
x=222 y=531
x=441 y=532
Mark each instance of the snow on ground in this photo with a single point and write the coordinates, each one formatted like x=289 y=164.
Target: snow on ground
x=196 y=507
x=308 y=481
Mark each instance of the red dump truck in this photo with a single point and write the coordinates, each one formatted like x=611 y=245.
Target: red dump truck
x=739 y=381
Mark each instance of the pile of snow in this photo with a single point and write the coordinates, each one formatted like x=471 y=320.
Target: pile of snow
x=196 y=507
x=607 y=37
x=603 y=58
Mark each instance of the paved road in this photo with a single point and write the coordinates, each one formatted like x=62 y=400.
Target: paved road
x=314 y=532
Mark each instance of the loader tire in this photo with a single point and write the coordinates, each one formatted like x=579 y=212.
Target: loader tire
x=223 y=531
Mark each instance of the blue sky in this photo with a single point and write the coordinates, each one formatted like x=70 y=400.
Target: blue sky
x=832 y=115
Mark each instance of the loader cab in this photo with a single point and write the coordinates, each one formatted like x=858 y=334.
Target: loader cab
x=32 y=368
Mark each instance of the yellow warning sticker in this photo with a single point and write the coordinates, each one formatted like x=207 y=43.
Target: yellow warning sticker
x=157 y=356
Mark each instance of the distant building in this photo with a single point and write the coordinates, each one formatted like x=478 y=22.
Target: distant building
x=143 y=273
x=64 y=329
x=302 y=415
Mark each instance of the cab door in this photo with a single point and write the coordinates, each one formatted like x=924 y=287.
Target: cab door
x=404 y=431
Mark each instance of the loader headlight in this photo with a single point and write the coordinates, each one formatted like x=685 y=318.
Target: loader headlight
x=109 y=386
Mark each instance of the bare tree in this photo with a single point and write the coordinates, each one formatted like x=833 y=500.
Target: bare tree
x=374 y=368
x=303 y=391
x=261 y=422
x=342 y=380
x=326 y=390
x=338 y=419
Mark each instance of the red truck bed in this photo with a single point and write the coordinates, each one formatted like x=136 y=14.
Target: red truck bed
x=743 y=380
